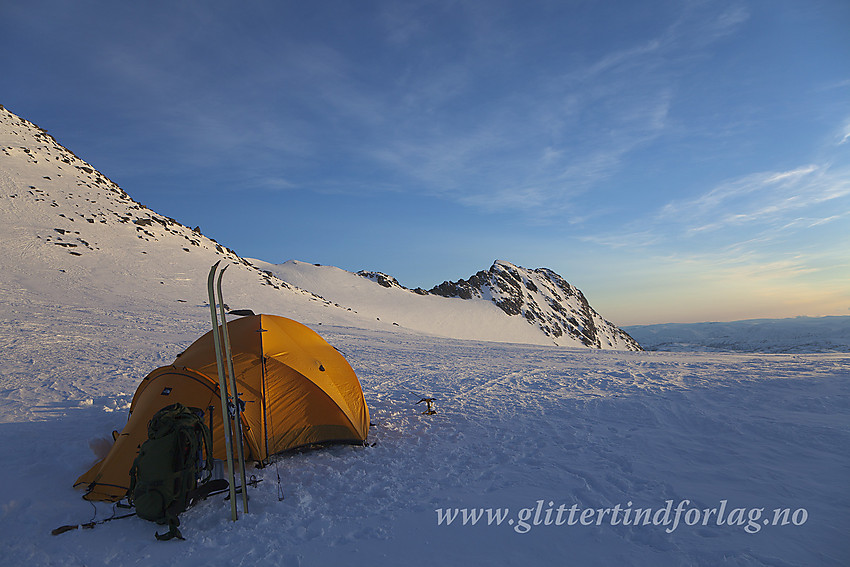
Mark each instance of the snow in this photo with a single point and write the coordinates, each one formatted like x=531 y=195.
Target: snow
x=517 y=423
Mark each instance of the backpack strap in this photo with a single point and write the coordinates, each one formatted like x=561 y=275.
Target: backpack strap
x=133 y=470
x=204 y=431
x=173 y=532
x=208 y=457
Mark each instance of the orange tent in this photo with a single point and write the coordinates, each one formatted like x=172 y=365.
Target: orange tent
x=297 y=389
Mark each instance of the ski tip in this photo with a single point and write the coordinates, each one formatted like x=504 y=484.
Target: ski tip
x=212 y=272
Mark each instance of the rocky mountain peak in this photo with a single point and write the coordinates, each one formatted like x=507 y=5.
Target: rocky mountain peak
x=381 y=279
x=544 y=299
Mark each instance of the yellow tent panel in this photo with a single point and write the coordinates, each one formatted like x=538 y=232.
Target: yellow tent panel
x=297 y=389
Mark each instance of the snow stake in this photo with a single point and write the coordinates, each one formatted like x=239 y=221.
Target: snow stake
x=429 y=401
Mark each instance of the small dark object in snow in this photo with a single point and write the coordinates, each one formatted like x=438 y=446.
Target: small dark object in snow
x=430 y=410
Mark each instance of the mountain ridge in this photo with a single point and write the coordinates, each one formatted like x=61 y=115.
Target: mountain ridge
x=544 y=298
x=521 y=305
x=64 y=225
x=540 y=295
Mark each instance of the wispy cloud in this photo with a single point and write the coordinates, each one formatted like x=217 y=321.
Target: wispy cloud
x=845 y=134
x=773 y=210
x=733 y=264
x=477 y=114
x=766 y=197
x=542 y=135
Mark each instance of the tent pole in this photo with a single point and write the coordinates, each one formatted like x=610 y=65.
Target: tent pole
x=265 y=409
x=222 y=386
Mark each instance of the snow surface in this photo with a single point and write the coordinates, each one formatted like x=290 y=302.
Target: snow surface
x=515 y=424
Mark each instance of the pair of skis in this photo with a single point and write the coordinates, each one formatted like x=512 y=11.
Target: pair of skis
x=230 y=404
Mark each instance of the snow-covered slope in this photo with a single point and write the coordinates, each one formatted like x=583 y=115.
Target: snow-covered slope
x=68 y=231
x=506 y=303
x=800 y=334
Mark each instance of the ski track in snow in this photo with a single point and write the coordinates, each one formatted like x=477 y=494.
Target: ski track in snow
x=514 y=424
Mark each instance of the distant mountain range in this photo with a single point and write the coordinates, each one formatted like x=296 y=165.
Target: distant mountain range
x=71 y=235
x=793 y=335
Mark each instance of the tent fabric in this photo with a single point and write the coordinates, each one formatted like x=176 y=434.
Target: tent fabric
x=297 y=389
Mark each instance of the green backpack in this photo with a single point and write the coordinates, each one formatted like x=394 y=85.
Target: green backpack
x=170 y=465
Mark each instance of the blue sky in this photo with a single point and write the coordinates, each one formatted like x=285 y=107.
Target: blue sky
x=676 y=160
